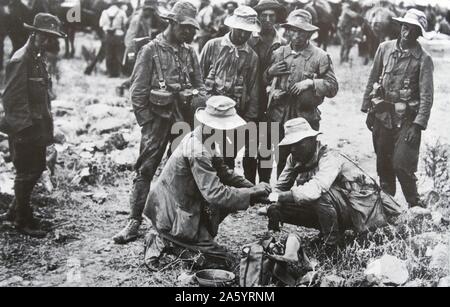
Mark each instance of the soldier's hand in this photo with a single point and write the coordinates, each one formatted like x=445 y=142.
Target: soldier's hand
x=279 y=69
x=300 y=87
x=260 y=192
x=413 y=134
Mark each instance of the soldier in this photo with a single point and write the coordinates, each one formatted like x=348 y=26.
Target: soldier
x=230 y=67
x=145 y=23
x=270 y=13
x=113 y=22
x=196 y=191
x=323 y=189
x=300 y=77
x=398 y=99
x=347 y=21
x=144 y=26
x=166 y=87
x=28 y=120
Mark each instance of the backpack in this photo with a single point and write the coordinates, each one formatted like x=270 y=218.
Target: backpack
x=256 y=267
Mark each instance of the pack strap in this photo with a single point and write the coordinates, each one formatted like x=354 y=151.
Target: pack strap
x=159 y=71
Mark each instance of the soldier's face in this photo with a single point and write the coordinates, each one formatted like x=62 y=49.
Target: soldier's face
x=183 y=33
x=304 y=151
x=148 y=12
x=297 y=37
x=409 y=33
x=239 y=37
x=230 y=8
x=42 y=41
x=268 y=18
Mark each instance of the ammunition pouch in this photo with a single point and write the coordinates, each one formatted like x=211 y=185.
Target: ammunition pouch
x=162 y=102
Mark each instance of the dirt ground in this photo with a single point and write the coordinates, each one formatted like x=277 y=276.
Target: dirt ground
x=85 y=214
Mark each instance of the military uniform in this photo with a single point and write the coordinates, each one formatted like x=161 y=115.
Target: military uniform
x=180 y=70
x=194 y=194
x=28 y=122
x=141 y=27
x=311 y=63
x=407 y=82
x=331 y=194
x=113 y=22
x=232 y=71
x=264 y=52
x=347 y=21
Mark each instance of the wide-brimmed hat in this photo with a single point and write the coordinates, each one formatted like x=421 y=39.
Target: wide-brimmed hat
x=47 y=24
x=244 y=18
x=220 y=113
x=183 y=12
x=300 y=19
x=234 y=2
x=150 y=4
x=296 y=130
x=264 y=5
x=416 y=18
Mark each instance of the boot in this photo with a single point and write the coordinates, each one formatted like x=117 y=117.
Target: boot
x=129 y=233
x=30 y=227
x=24 y=221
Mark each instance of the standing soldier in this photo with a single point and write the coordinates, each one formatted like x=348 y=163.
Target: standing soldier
x=398 y=98
x=270 y=13
x=145 y=23
x=113 y=22
x=300 y=77
x=230 y=67
x=347 y=21
x=167 y=87
x=28 y=120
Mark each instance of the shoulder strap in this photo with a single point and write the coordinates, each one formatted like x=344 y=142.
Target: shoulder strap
x=159 y=71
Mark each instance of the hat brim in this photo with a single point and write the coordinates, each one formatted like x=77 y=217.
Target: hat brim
x=402 y=20
x=302 y=26
x=234 y=23
x=224 y=5
x=225 y=123
x=183 y=21
x=297 y=137
x=278 y=8
x=44 y=31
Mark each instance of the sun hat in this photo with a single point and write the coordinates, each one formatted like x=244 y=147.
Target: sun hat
x=296 y=130
x=220 y=113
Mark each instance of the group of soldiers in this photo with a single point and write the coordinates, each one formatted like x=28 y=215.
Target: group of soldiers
x=250 y=75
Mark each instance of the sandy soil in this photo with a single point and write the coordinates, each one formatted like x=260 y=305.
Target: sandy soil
x=78 y=250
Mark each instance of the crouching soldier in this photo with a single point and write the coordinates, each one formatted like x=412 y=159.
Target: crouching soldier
x=398 y=98
x=167 y=87
x=323 y=189
x=300 y=77
x=196 y=190
x=28 y=120
x=230 y=68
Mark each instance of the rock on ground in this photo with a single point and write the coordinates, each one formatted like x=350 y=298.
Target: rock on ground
x=388 y=270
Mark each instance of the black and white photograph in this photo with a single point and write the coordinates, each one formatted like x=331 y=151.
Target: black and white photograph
x=225 y=149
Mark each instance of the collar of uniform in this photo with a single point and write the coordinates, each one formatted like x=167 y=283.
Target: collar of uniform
x=306 y=53
x=164 y=43
x=416 y=51
x=278 y=39
x=226 y=42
